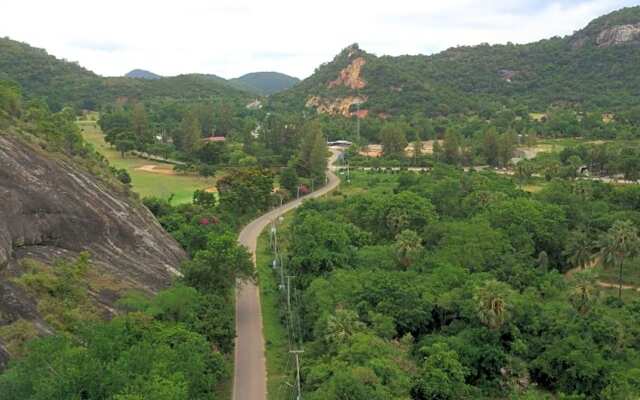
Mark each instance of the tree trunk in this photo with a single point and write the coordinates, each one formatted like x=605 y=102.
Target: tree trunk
x=620 y=280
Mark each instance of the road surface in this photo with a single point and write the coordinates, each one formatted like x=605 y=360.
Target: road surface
x=250 y=376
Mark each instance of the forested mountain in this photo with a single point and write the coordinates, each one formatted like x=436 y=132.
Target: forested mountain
x=595 y=68
x=265 y=83
x=62 y=82
x=142 y=74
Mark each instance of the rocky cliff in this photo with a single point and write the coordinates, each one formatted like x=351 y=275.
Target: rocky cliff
x=51 y=208
x=617 y=35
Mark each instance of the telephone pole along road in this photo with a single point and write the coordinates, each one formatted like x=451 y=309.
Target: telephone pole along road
x=250 y=376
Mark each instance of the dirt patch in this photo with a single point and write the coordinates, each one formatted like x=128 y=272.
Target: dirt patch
x=157 y=169
x=338 y=106
x=372 y=150
x=211 y=190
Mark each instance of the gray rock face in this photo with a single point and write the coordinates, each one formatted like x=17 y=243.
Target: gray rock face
x=618 y=35
x=51 y=208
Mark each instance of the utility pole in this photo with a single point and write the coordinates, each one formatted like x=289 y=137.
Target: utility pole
x=289 y=292
x=274 y=234
x=297 y=353
x=358 y=121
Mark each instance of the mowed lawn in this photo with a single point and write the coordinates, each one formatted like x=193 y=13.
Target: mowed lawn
x=162 y=183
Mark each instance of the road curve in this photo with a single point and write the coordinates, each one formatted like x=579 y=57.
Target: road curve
x=250 y=376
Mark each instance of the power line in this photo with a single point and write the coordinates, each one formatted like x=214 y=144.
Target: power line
x=297 y=355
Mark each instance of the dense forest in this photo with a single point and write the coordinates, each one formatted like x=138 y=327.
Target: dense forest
x=449 y=285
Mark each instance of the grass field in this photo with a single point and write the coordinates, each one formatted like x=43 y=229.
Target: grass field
x=147 y=183
x=275 y=334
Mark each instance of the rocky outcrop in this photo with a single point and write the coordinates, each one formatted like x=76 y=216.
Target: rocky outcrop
x=350 y=75
x=617 y=35
x=339 y=106
x=507 y=74
x=50 y=208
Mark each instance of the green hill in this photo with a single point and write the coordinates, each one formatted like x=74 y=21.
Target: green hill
x=265 y=83
x=62 y=82
x=595 y=68
x=142 y=74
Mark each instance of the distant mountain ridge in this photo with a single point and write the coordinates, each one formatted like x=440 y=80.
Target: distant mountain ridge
x=260 y=83
x=265 y=83
x=595 y=68
x=142 y=74
x=60 y=82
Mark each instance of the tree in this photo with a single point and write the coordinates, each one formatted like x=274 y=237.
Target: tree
x=190 y=134
x=10 y=97
x=408 y=246
x=140 y=126
x=393 y=138
x=341 y=326
x=123 y=176
x=245 y=191
x=584 y=291
x=579 y=249
x=124 y=145
x=524 y=170
x=206 y=170
x=618 y=244
x=217 y=267
x=506 y=146
x=452 y=147
x=441 y=376
x=204 y=198
x=490 y=147
x=417 y=148
x=492 y=301
x=318 y=156
x=437 y=150
x=289 y=179
x=312 y=158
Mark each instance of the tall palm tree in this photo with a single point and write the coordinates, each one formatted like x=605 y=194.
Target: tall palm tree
x=584 y=291
x=492 y=303
x=579 y=250
x=408 y=246
x=616 y=245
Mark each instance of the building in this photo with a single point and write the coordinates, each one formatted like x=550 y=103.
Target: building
x=214 y=139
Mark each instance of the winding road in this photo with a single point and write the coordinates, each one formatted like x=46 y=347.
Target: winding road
x=250 y=376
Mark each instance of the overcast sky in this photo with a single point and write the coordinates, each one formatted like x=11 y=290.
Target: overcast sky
x=230 y=38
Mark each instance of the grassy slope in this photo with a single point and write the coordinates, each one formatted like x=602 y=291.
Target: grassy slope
x=275 y=334
x=146 y=183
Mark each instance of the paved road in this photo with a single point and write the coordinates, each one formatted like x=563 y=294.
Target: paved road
x=250 y=375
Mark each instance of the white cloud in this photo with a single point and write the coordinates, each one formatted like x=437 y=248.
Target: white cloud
x=230 y=38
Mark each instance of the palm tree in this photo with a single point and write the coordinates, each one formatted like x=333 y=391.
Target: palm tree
x=579 y=250
x=492 y=303
x=617 y=244
x=342 y=325
x=524 y=170
x=584 y=291
x=408 y=246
